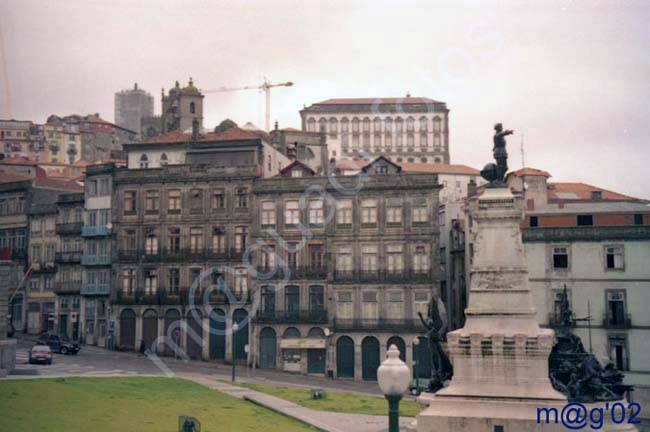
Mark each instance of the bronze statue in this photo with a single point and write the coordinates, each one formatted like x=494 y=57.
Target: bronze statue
x=496 y=173
x=442 y=369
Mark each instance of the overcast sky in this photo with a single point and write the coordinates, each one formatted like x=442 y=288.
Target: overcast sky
x=573 y=77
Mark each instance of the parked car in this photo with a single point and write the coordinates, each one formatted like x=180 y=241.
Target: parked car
x=40 y=354
x=58 y=344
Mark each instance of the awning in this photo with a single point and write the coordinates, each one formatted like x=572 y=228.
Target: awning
x=305 y=343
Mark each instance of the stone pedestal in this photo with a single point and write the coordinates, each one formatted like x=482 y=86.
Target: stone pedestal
x=500 y=357
x=7 y=346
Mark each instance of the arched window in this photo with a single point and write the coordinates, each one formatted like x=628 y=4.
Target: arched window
x=423 y=160
x=163 y=159
x=322 y=125
x=355 y=125
x=291 y=332
x=436 y=124
x=311 y=124
x=410 y=124
x=334 y=126
x=423 y=124
x=376 y=125
x=144 y=161
x=192 y=108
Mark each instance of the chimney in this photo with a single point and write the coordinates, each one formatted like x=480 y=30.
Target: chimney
x=471 y=188
x=195 y=130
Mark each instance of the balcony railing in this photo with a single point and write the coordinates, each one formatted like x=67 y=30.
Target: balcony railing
x=294 y=273
x=314 y=316
x=95 y=289
x=71 y=228
x=68 y=257
x=392 y=325
x=68 y=287
x=611 y=322
x=180 y=297
x=169 y=255
x=90 y=260
x=95 y=230
x=403 y=276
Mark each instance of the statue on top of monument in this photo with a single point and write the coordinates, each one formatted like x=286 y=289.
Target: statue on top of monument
x=441 y=370
x=496 y=173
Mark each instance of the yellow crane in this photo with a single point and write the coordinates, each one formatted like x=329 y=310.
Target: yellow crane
x=265 y=86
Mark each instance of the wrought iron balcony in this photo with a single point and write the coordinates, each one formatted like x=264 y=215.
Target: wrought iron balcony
x=95 y=289
x=68 y=257
x=95 y=230
x=392 y=325
x=314 y=316
x=68 y=287
x=90 y=260
x=388 y=276
x=179 y=297
x=71 y=228
x=294 y=273
x=623 y=322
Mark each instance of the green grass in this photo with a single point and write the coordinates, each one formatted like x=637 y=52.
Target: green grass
x=128 y=404
x=338 y=402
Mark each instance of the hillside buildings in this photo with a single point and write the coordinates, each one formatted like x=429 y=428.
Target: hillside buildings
x=131 y=106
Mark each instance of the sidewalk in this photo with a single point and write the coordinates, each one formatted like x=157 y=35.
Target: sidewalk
x=325 y=421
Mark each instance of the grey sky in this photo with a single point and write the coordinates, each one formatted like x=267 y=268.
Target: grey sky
x=572 y=76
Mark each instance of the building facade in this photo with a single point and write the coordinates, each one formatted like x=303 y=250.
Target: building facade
x=181 y=107
x=409 y=129
x=131 y=106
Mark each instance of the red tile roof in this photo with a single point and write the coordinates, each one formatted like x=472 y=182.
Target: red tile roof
x=18 y=161
x=529 y=172
x=9 y=177
x=438 y=168
x=379 y=101
x=582 y=191
x=232 y=134
x=295 y=163
x=346 y=165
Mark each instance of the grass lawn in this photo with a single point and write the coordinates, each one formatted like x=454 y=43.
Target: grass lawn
x=335 y=401
x=128 y=404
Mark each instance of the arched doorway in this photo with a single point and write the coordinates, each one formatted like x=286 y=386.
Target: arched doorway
x=268 y=348
x=217 y=334
x=316 y=356
x=194 y=334
x=171 y=316
x=240 y=316
x=345 y=357
x=369 y=358
x=150 y=328
x=127 y=329
x=401 y=346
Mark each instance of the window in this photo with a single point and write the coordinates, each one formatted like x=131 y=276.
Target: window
x=151 y=244
x=242 y=198
x=218 y=240
x=92 y=188
x=421 y=302
x=50 y=251
x=369 y=305
x=36 y=254
x=151 y=202
x=36 y=227
x=618 y=352
x=369 y=212
x=150 y=281
x=585 y=220
x=394 y=211
x=316 y=261
x=291 y=213
x=128 y=281
x=344 y=259
x=369 y=258
x=268 y=214
x=316 y=212
x=395 y=305
x=614 y=258
x=144 y=161
x=534 y=222
x=196 y=200
x=241 y=283
x=395 y=256
x=420 y=211
x=292 y=255
x=316 y=299
x=344 y=305
x=163 y=159
x=268 y=257
x=638 y=219
x=196 y=240
x=174 y=243
x=420 y=259
x=615 y=315
x=241 y=234
x=344 y=212
x=218 y=200
x=560 y=258
x=174 y=201
x=292 y=301
x=268 y=301
x=195 y=278
x=173 y=280
x=192 y=108
x=130 y=202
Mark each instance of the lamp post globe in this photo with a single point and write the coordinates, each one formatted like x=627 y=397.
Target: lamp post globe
x=394 y=377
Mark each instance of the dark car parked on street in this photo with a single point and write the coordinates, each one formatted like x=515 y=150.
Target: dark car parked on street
x=58 y=344
x=40 y=354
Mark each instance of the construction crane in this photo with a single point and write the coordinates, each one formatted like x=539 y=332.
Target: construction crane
x=265 y=86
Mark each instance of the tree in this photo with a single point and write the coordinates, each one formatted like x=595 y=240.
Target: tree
x=225 y=125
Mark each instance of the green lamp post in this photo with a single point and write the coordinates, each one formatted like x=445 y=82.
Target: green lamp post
x=394 y=377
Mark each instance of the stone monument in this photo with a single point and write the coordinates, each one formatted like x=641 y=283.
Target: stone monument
x=7 y=346
x=500 y=357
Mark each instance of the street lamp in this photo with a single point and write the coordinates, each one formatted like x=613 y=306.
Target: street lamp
x=235 y=327
x=416 y=364
x=394 y=377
